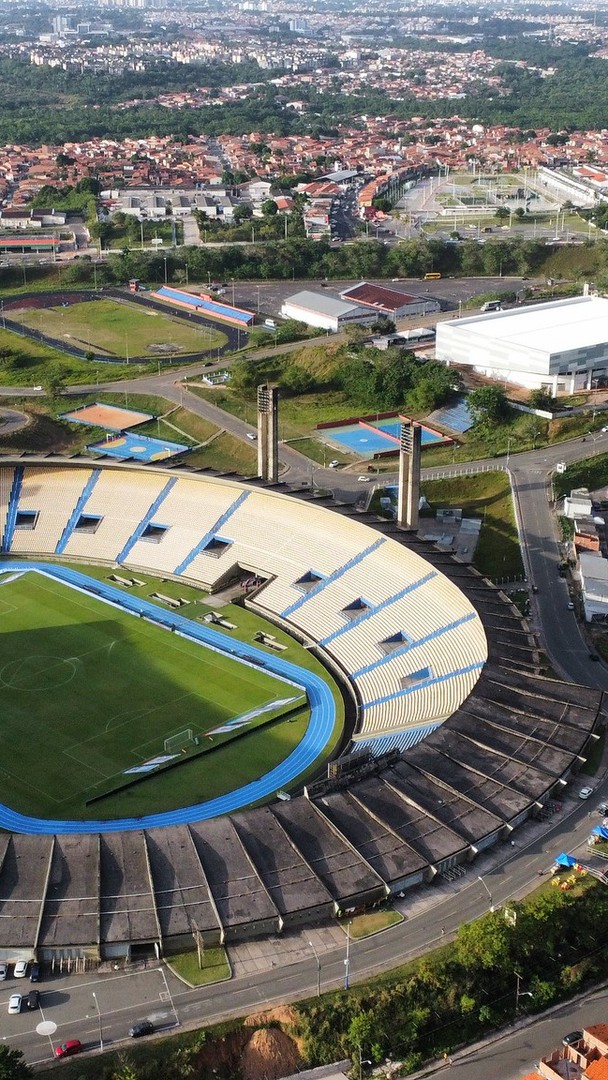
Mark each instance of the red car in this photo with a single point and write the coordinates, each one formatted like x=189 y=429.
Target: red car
x=72 y=1046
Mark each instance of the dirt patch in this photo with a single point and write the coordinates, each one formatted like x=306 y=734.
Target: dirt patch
x=164 y=347
x=269 y=1055
x=283 y=1014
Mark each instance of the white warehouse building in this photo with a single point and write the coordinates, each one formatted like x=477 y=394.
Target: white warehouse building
x=325 y=313
x=561 y=346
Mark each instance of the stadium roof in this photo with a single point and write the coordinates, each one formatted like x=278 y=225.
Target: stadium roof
x=199 y=303
x=312 y=301
x=555 y=327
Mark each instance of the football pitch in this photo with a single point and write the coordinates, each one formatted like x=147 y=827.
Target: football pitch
x=122 y=329
x=89 y=692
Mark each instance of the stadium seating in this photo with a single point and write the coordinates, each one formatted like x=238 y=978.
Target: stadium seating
x=387 y=590
x=50 y=495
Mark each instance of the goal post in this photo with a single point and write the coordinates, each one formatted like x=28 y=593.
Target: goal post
x=183 y=740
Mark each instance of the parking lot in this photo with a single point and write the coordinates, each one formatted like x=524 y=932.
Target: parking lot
x=86 y=1007
x=268 y=296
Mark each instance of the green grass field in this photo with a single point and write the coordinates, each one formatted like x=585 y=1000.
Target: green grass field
x=121 y=329
x=89 y=691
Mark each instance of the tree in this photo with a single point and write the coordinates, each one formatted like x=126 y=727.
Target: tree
x=241 y=213
x=485 y=944
x=488 y=405
x=54 y=381
x=12 y=1066
x=502 y=214
x=269 y=208
x=540 y=399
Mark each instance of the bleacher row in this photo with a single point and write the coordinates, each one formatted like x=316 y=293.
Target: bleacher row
x=503 y=754
x=41 y=507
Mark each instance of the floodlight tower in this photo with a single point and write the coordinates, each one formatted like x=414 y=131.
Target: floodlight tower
x=410 y=441
x=268 y=433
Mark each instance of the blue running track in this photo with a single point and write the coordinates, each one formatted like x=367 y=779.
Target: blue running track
x=313 y=743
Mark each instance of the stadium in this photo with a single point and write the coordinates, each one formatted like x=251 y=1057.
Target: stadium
x=453 y=736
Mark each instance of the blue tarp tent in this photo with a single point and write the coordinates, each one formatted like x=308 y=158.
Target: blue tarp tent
x=565 y=860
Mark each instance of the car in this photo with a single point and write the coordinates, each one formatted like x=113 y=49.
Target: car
x=67 y=1049
x=572 y=1038
x=144 y=1027
x=363 y=479
x=14 y=1004
x=33 y=999
x=252 y=436
x=603 y=809
x=334 y=464
x=570 y=606
x=3 y=971
x=594 y=657
x=585 y=792
x=35 y=972
x=20 y=969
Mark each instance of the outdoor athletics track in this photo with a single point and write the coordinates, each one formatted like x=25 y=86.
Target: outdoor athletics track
x=316 y=736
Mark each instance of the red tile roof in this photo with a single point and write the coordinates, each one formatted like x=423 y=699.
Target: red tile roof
x=378 y=296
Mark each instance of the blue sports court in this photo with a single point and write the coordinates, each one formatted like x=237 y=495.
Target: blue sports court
x=129 y=446
x=369 y=437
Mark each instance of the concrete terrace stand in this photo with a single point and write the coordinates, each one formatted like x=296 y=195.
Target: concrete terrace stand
x=412 y=815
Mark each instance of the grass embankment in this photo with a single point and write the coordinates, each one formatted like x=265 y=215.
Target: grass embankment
x=486 y=496
x=26 y=362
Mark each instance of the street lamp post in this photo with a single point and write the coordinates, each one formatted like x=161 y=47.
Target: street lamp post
x=165 y=262
x=508 y=450
x=169 y=995
x=520 y=993
x=479 y=878
x=99 y=1019
x=318 y=968
x=347 y=958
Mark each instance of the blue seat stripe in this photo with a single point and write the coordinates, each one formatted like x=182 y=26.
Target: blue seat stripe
x=13 y=504
x=219 y=524
x=145 y=521
x=77 y=511
x=402 y=740
x=408 y=646
x=422 y=686
x=378 y=607
x=331 y=577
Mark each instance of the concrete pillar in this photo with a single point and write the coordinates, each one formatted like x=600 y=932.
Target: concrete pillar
x=408 y=501
x=268 y=433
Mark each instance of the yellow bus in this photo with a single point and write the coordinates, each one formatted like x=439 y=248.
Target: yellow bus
x=432 y=277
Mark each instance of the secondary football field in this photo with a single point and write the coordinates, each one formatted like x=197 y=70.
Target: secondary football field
x=121 y=330
x=88 y=692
